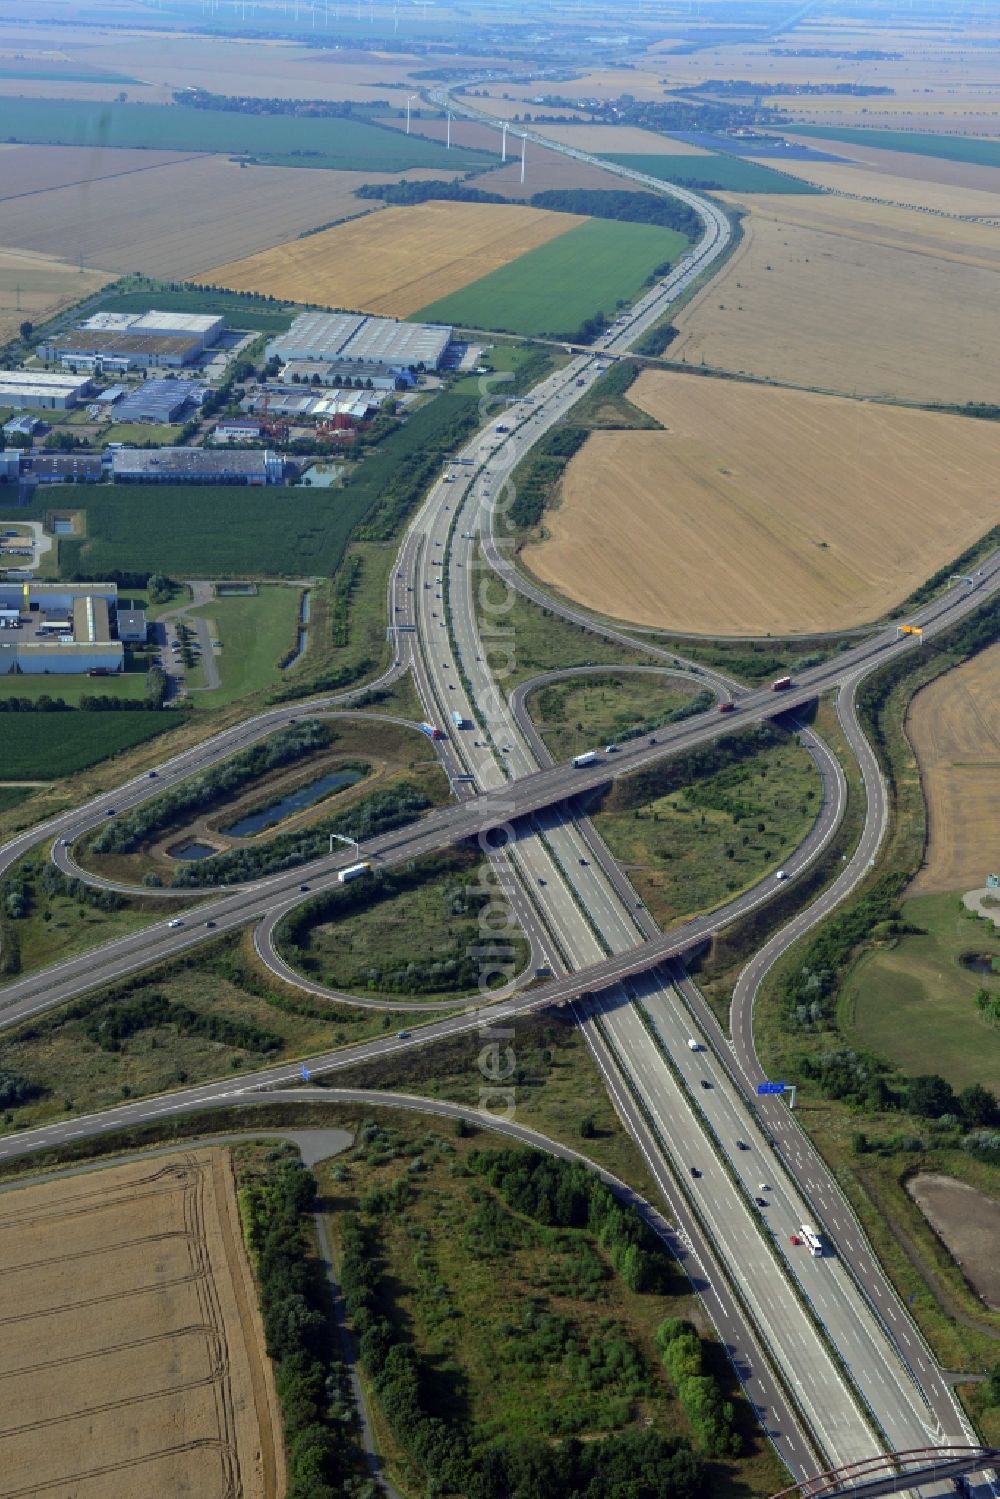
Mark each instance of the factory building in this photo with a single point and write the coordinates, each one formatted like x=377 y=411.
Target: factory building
x=196 y=466
x=39 y=390
x=120 y=341
x=160 y=401
x=350 y=339
x=132 y=626
x=59 y=628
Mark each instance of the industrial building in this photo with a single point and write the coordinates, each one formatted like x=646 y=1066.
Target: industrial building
x=36 y=389
x=132 y=626
x=10 y=464
x=64 y=468
x=235 y=429
x=325 y=373
x=352 y=338
x=120 y=341
x=160 y=401
x=196 y=466
x=313 y=405
x=59 y=628
x=22 y=426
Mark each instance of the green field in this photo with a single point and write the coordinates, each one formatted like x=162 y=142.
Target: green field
x=71 y=687
x=698 y=843
x=41 y=746
x=413 y=935
x=256 y=632
x=12 y=796
x=228 y=530
x=732 y=173
x=253 y=313
x=911 y=1000
x=555 y=288
x=982 y=153
x=349 y=145
x=575 y=715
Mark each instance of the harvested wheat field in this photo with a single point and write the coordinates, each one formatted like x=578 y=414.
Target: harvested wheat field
x=132 y=1360
x=185 y=215
x=853 y=304
x=399 y=259
x=907 y=192
x=34 y=287
x=765 y=511
x=906 y=164
x=548 y=170
x=954 y=727
x=615 y=140
x=31 y=170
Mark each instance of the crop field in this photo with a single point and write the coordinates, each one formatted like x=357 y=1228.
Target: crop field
x=914 y=1002
x=764 y=511
x=904 y=164
x=547 y=169
x=400 y=259
x=283 y=140
x=133 y=1358
x=983 y=153
x=183 y=216
x=553 y=289
x=737 y=174
x=28 y=170
x=954 y=727
x=613 y=140
x=43 y=746
x=223 y=531
x=863 y=181
x=865 y=299
x=36 y=287
x=226 y=531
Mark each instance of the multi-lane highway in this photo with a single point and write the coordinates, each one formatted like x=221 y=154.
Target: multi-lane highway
x=831 y=1331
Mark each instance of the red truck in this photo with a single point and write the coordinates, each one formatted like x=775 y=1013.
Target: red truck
x=781 y=684
x=727 y=707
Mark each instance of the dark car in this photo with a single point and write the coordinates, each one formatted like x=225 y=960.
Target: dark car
x=705 y=1082
x=209 y=923
x=761 y=1202
x=151 y=775
x=742 y=1145
x=303 y=887
x=695 y=1171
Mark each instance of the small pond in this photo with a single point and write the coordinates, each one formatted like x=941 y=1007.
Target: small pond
x=979 y=962
x=305 y=796
x=234 y=590
x=192 y=851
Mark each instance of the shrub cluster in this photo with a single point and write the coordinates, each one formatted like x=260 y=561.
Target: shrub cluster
x=562 y=1195
x=131 y=829
x=711 y=1417
x=111 y=1024
x=366 y=818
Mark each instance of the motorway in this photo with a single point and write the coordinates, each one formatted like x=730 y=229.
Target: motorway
x=589 y=930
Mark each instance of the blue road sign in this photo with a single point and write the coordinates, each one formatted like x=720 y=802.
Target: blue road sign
x=763 y=1088
x=306 y=1074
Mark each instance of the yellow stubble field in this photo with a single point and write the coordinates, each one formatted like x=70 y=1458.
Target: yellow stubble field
x=852 y=297
x=34 y=287
x=954 y=727
x=399 y=259
x=762 y=511
x=132 y=1359
x=868 y=182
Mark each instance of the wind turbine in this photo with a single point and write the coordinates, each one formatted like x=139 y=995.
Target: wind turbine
x=524 y=147
x=503 y=149
x=408 y=103
x=448 y=137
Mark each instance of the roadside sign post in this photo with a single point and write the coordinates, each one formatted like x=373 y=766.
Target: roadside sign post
x=763 y=1089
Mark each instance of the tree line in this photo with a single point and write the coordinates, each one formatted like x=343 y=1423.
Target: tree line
x=598 y=203
x=366 y=818
x=131 y=830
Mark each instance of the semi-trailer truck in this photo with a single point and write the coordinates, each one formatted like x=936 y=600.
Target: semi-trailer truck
x=590 y=758
x=781 y=684
x=460 y=722
x=431 y=731
x=352 y=872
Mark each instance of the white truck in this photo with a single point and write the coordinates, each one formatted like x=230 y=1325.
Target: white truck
x=352 y=872
x=590 y=758
x=812 y=1239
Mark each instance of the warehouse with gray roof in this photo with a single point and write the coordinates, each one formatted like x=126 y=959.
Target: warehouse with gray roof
x=347 y=338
